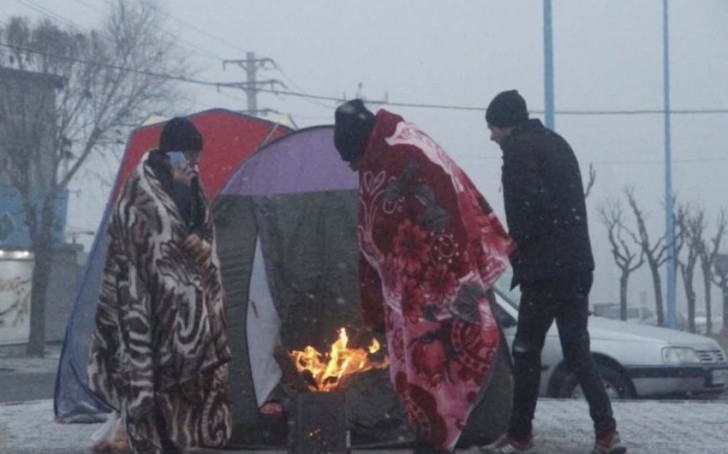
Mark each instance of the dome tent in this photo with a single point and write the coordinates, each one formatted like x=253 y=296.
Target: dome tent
x=286 y=225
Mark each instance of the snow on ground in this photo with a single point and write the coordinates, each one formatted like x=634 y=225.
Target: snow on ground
x=561 y=426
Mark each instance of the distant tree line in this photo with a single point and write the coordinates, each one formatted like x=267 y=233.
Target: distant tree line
x=696 y=247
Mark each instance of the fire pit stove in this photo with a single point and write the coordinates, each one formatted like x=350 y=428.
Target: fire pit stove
x=317 y=415
x=317 y=423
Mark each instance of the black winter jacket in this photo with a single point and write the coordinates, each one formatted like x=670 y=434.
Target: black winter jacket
x=544 y=204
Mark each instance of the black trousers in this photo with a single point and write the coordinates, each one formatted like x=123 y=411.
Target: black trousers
x=566 y=300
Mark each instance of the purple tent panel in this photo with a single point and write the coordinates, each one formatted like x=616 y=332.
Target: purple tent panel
x=300 y=162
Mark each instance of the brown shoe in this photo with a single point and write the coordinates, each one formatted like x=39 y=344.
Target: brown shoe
x=101 y=446
x=609 y=444
x=118 y=441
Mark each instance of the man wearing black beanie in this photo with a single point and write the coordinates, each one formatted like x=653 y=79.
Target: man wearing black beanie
x=553 y=264
x=507 y=109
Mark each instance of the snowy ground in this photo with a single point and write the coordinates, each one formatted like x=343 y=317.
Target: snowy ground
x=562 y=427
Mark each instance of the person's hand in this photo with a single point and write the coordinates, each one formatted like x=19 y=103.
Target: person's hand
x=198 y=247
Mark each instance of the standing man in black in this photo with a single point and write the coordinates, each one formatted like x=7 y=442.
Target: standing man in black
x=553 y=264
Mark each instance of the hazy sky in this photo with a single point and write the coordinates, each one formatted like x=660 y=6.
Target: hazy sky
x=607 y=56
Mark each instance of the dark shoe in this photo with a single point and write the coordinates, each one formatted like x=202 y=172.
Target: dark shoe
x=507 y=445
x=609 y=444
x=421 y=447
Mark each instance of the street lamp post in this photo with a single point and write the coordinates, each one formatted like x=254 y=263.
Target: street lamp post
x=548 y=56
x=669 y=221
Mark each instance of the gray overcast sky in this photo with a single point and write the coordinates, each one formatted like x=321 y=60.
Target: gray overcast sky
x=607 y=56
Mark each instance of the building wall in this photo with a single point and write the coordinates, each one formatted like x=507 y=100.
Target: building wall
x=28 y=121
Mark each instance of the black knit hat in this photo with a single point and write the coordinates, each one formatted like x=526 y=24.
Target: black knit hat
x=507 y=109
x=353 y=126
x=179 y=134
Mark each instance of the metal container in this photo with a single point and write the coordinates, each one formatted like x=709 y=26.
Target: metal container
x=317 y=424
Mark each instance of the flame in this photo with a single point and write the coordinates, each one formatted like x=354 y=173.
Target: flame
x=331 y=371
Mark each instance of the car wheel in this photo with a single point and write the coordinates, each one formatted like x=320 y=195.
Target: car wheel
x=616 y=384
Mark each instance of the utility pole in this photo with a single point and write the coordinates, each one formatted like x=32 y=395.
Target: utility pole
x=669 y=221
x=360 y=95
x=548 y=60
x=252 y=85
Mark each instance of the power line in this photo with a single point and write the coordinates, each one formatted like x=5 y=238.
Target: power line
x=183 y=79
x=110 y=66
x=388 y=103
x=331 y=98
x=302 y=95
x=485 y=157
x=481 y=108
x=638 y=112
x=195 y=48
x=200 y=49
x=660 y=161
x=301 y=91
x=45 y=12
x=55 y=16
x=298 y=87
x=193 y=27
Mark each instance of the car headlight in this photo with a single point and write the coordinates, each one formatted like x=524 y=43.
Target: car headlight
x=679 y=355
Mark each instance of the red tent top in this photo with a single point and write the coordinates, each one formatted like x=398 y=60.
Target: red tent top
x=229 y=139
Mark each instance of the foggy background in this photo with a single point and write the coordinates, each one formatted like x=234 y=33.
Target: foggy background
x=608 y=56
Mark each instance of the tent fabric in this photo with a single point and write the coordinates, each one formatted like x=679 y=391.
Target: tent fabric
x=262 y=319
x=294 y=205
x=297 y=201
x=229 y=139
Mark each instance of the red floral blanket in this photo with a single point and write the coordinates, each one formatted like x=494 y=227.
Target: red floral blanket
x=431 y=248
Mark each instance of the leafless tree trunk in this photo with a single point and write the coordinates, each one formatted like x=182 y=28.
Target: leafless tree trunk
x=592 y=179
x=721 y=279
x=708 y=260
x=655 y=253
x=109 y=80
x=692 y=223
x=612 y=217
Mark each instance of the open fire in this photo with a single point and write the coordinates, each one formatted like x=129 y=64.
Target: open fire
x=331 y=371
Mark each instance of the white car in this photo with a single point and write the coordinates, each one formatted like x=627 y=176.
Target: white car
x=635 y=361
x=639 y=314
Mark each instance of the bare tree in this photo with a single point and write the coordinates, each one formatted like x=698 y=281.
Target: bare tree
x=708 y=259
x=627 y=261
x=692 y=223
x=109 y=80
x=655 y=253
x=721 y=279
x=591 y=181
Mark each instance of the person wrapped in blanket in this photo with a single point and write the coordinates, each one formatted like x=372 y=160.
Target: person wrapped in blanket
x=431 y=248
x=159 y=351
